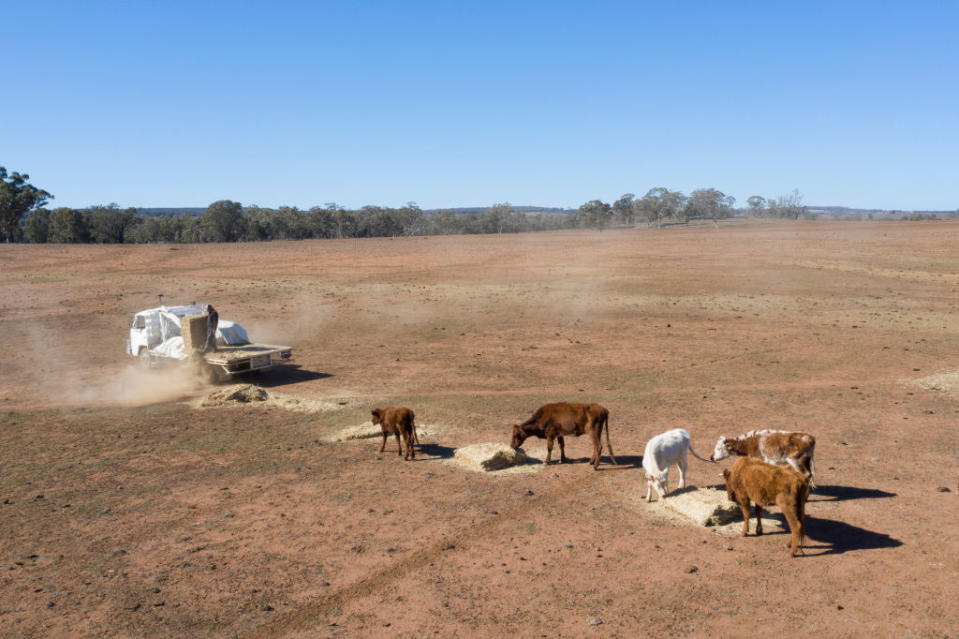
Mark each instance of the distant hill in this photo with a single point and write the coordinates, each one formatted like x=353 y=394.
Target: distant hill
x=845 y=210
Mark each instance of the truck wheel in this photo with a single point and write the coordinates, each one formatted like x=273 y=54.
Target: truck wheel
x=144 y=358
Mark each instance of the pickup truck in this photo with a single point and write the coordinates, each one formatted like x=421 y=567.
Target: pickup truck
x=155 y=338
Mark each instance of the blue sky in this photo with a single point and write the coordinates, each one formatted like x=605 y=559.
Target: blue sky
x=470 y=103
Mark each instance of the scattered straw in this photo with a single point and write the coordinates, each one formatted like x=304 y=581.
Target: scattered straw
x=250 y=394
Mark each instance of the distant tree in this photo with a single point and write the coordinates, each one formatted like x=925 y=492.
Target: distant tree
x=660 y=204
x=594 y=214
x=624 y=209
x=36 y=228
x=108 y=224
x=710 y=204
x=17 y=198
x=68 y=226
x=223 y=221
x=495 y=218
x=787 y=206
x=756 y=205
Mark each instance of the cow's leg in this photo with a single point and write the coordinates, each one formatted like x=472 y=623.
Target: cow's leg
x=597 y=445
x=383 y=446
x=759 y=519
x=410 y=453
x=399 y=444
x=790 y=510
x=562 y=449
x=744 y=506
x=682 y=470
x=649 y=489
x=549 y=449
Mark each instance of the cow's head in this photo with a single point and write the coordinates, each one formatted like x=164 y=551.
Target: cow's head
x=729 y=490
x=721 y=451
x=659 y=483
x=519 y=436
x=377 y=416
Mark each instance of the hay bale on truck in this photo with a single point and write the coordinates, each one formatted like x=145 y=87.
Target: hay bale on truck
x=177 y=334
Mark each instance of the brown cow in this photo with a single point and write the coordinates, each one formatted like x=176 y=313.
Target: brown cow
x=554 y=421
x=397 y=420
x=766 y=484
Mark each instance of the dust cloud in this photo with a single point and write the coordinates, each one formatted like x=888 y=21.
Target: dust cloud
x=136 y=386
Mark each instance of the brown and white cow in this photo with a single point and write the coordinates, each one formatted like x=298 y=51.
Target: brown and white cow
x=397 y=420
x=765 y=485
x=772 y=446
x=554 y=421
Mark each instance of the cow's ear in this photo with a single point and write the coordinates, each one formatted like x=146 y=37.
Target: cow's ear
x=375 y=412
x=726 y=474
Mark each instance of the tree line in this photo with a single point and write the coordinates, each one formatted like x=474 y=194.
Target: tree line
x=24 y=218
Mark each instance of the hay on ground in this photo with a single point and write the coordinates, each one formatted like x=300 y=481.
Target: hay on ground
x=240 y=394
x=236 y=394
x=369 y=430
x=704 y=506
x=488 y=457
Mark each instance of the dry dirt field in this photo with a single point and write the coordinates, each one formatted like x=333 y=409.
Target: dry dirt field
x=127 y=511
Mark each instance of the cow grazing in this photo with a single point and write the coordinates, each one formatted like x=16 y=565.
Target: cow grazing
x=662 y=451
x=772 y=446
x=765 y=485
x=397 y=420
x=554 y=421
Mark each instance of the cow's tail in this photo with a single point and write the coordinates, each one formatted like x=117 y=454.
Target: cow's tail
x=608 y=444
x=812 y=465
x=696 y=455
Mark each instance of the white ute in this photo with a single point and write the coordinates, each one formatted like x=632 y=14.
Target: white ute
x=155 y=337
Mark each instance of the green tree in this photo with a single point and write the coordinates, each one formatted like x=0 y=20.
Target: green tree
x=17 y=198
x=68 y=226
x=223 y=221
x=710 y=204
x=624 y=209
x=660 y=204
x=595 y=214
x=109 y=224
x=36 y=228
x=757 y=205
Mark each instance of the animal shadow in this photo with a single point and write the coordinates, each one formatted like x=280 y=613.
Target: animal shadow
x=288 y=375
x=842 y=493
x=838 y=537
x=436 y=451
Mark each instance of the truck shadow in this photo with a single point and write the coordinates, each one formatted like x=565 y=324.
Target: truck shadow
x=288 y=375
x=842 y=493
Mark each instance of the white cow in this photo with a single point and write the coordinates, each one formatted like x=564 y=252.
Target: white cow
x=662 y=451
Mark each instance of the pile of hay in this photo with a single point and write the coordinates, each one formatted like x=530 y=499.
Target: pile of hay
x=947 y=383
x=489 y=457
x=237 y=394
x=704 y=506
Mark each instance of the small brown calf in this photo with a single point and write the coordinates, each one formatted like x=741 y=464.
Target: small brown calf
x=397 y=420
x=767 y=485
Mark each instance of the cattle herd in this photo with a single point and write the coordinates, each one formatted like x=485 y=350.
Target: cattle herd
x=775 y=467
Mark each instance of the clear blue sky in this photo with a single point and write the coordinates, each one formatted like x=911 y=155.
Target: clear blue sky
x=471 y=103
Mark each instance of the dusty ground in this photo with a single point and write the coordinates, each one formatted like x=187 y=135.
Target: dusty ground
x=127 y=511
